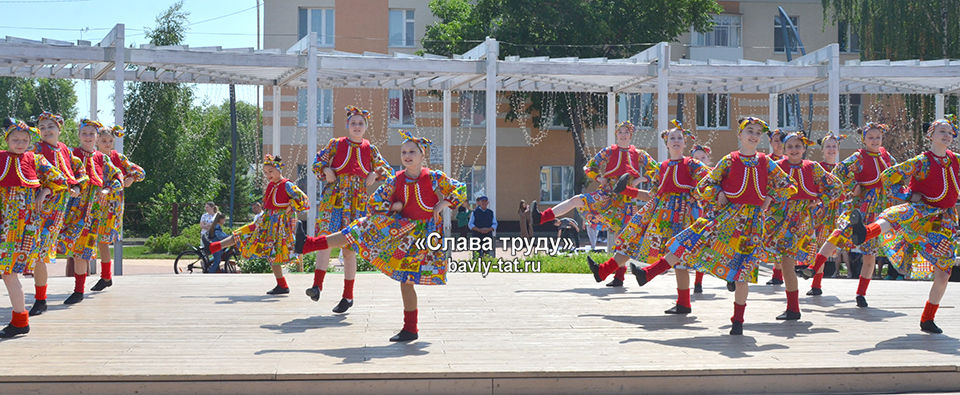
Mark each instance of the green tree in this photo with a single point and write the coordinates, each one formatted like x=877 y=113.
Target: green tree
x=564 y=28
x=249 y=177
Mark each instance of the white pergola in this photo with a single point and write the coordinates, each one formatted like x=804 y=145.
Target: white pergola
x=305 y=66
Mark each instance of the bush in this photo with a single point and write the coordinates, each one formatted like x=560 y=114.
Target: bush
x=189 y=237
x=310 y=263
x=258 y=265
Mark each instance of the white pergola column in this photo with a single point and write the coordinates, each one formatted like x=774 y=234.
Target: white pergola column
x=275 y=135
x=663 y=102
x=93 y=100
x=312 y=129
x=611 y=118
x=446 y=141
x=833 y=89
x=773 y=113
x=493 y=53
x=119 y=68
x=939 y=101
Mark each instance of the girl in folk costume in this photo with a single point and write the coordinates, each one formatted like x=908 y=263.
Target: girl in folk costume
x=670 y=210
x=743 y=185
x=702 y=154
x=926 y=225
x=348 y=165
x=26 y=181
x=81 y=229
x=776 y=154
x=790 y=226
x=826 y=215
x=54 y=209
x=611 y=205
x=860 y=174
x=112 y=224
x=271 y=235
x=404 y=209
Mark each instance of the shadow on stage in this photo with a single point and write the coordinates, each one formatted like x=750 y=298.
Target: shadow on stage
x=939 y=344
x=726 y=345
x=301 y=325
x=364 y=354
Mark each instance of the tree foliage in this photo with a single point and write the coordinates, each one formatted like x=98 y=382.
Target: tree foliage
x=564 y=28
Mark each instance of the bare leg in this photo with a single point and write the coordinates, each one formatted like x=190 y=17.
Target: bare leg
x=683 y=278
x=15 y=289
x=40 y=274
x=103 y=251
x=868 y=266
x=567 y=205
x=940 y=278
x=227 y=243
x=80 y=265
x=277 y=271
x=740 y=296
x=789 y=275
x=323 y=260
x=349 y=264
x=409 y=295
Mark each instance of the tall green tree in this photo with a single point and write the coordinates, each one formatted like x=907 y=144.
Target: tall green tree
x=564 y=28
x=249 y=176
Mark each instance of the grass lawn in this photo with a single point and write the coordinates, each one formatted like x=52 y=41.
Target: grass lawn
x=135 y=252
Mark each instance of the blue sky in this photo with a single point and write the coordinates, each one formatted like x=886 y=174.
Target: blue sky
x=211 y=24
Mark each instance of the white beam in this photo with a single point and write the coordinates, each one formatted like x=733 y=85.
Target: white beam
x=939 y=105
x=833 y=94
x=275 y=135
x=611 y=118
x=773 y=112
x=493 y=54
x=663 y=102
x=118 y=33
x=93 y=100
x=446 y=140
x=312 y=127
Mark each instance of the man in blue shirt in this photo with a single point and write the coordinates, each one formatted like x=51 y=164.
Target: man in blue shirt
x=483 y=222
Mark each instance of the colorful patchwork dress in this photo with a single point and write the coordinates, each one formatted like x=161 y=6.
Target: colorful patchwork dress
x=603 y=205
x=345 y=200
x=825 y=217
x=54 y=209
x=388 y=239
x=924 y=233
x=863 y=168
x=790 y=225
x=271 y=235
x=112 y=224
x=672 y=210
x=23 y=176
x=81 y=228
x=726 y=244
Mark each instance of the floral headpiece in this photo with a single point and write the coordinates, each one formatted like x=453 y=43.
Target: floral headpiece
x=275 y=161
x=51 y=116
x=354 y=110
x=776 y=134
x=884 y=128
x=679 y=126
x=950 y=120
x=89 y=122
x=627 y=124
x=18 y=125
x=118 y=131
x=831 y=135
x=698 y=147
x=803 y=138
x=422 y=142
x=753 y=120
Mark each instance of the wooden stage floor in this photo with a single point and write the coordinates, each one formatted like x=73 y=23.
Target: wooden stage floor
x=506 y=333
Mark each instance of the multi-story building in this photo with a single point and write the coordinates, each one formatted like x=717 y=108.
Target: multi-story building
x=535 y=161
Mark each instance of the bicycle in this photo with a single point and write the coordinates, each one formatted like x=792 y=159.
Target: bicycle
x=196 y=259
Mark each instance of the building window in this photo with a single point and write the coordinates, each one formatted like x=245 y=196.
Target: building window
x=725 y=33
x=324 y=107
x=778 y=34
x=713 y=111
x=401 y=28
x=849 y=111
x=320 y=20
x=556 y=183
x=401 y=107
x=847 y=37
x=474 y=178
x=473 y=108
x=788 y=117
x=636 y=108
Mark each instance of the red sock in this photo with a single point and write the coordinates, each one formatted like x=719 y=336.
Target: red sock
x=410 y=321
x=106 y=270
x=215 y=247
x=657 y=268
x=699 y=279
x=20 y=319
x=873 y=230
x=738 y=310
x=862 y=288
x=683 y=297
x=607 y=268
x=816 y=280
x=41 y=293
x=777 y=274
x=318 y=276
x=282 y=282
x=793 y=301
x=929 y=311
x=547 y=216
x=348 y=289
x=818 y=263
x=315 y=244
x=620 y=274
x=631 y=192
x=79 y=281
